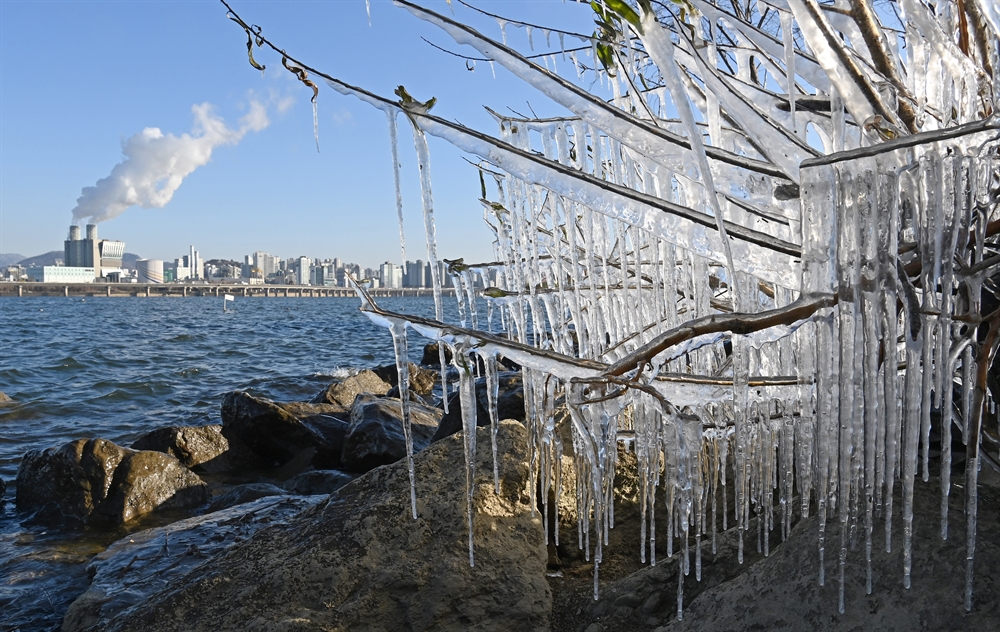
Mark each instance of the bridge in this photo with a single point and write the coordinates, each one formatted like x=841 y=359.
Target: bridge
x=25 y=289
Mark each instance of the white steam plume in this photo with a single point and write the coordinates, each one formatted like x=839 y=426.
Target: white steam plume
x=155 y=164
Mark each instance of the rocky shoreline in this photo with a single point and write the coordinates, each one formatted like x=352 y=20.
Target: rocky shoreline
x=296 y=515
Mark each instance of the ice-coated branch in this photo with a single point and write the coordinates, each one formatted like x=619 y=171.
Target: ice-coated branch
x=737 y=323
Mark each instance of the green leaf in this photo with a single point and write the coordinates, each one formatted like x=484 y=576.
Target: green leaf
x=606 y=55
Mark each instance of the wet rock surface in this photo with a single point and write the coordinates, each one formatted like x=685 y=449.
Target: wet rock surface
x=245 y=493
x=422 y=381
x=510 y=405
x=375 y=436
x=360 y=561
x=344 y=392
x=144 y=563
x=191 y=445
x=317 y=482
x=94 y=482
x=277 y=433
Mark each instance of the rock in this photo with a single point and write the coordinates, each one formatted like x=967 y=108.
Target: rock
x=278 y=433
x=414 y=396
x=191 y=445
x=94 y=482
x=244 y=494
x=317 y=482
x=344 y=392
x=510 y=405
x=781 y=591
x=359 y=561
x=143 y=563
x=422 y=381
x=5 y=399
x=432 y=357
x=375 y=436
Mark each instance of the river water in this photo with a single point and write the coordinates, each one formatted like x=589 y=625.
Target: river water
x=116 y=368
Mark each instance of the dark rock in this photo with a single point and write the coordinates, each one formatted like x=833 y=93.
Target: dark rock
x=279 y=432
x=244 y=494
x=375 y=436
x=344 y=392
x=191 y=445
x=143 y=563
x=414 y=396
x=97 y=483
x=317 y=482
x=3 y=490
x=510 y=405
x=359 y=561
x=422 y=380
x=432 y=357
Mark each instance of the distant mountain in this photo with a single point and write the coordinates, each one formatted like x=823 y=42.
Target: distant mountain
x=9 y=258
x=49 y=259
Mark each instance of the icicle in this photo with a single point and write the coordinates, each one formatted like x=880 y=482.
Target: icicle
x=789 y=44
x=492 y=395
x=390 y=114
x=368 y=9
x=467 y=392
x=424 y=164
x=316 y=123
x=398 y=330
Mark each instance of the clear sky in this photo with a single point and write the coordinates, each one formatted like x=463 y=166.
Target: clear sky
x=80 y=78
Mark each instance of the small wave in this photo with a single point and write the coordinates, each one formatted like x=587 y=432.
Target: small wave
x=69 y=363
x=336 y=373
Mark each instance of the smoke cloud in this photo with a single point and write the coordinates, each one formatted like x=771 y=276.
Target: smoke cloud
x=156 y=163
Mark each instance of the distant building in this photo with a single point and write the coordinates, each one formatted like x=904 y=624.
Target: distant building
x=305 y=268
x=149 y=270
x=104 y=256
x=390 y=275
x=61 y=274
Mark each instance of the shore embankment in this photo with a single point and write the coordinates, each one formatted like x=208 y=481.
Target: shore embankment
x=21 y=289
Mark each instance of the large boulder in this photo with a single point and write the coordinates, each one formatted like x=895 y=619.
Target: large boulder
x=345 y=391
x=191 y=445
x=376 y=437
x=510 y=405
x=359 y=561
x=422 y=381
x=143 y=563
x=278 y=433
x=97 y=483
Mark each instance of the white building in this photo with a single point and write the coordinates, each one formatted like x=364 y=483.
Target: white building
x=61 y=274
x=391 y=275
x=149 y=270
x=305 y=268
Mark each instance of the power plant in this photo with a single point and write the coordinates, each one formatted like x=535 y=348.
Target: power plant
x=103 y=255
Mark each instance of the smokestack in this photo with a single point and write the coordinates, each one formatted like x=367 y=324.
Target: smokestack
x=91 y=231
x=74 y=232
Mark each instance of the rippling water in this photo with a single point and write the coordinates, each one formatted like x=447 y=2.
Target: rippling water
x=118 y=367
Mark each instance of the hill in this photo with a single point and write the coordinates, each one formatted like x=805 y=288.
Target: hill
x=9 y=258
x=49 y=259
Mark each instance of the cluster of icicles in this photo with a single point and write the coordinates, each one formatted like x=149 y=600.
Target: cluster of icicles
x=819 y=412
x=822 y=412
x=623 y=224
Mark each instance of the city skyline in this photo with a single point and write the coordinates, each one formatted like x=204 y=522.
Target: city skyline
x=167 y=70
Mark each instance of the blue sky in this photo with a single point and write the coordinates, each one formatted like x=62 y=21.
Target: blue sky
x=78 y=78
